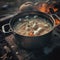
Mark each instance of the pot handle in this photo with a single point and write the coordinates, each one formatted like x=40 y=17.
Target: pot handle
x=57 y=19
x=4 y=29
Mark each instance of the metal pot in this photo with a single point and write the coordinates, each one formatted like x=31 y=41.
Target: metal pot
x=28 y=42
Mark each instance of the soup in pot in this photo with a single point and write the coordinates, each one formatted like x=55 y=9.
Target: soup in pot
x=32 y=27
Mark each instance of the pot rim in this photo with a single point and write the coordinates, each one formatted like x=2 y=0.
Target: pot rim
x=52 y=20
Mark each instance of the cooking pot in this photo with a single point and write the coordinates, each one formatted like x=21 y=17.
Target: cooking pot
x=28 y=42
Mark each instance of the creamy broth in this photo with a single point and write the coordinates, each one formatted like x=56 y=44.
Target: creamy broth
x=33 y=27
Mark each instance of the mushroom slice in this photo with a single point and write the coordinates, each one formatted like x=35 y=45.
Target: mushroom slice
x=34 y=25
x=37 y=31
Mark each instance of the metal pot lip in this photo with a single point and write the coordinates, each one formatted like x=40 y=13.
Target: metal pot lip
x=32 y=12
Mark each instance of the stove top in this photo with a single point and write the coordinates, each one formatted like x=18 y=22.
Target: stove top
x=10 y=51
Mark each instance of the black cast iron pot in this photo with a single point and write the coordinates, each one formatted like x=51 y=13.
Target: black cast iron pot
x=34 y=42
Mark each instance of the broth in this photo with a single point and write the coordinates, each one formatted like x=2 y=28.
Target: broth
x=33 y=27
